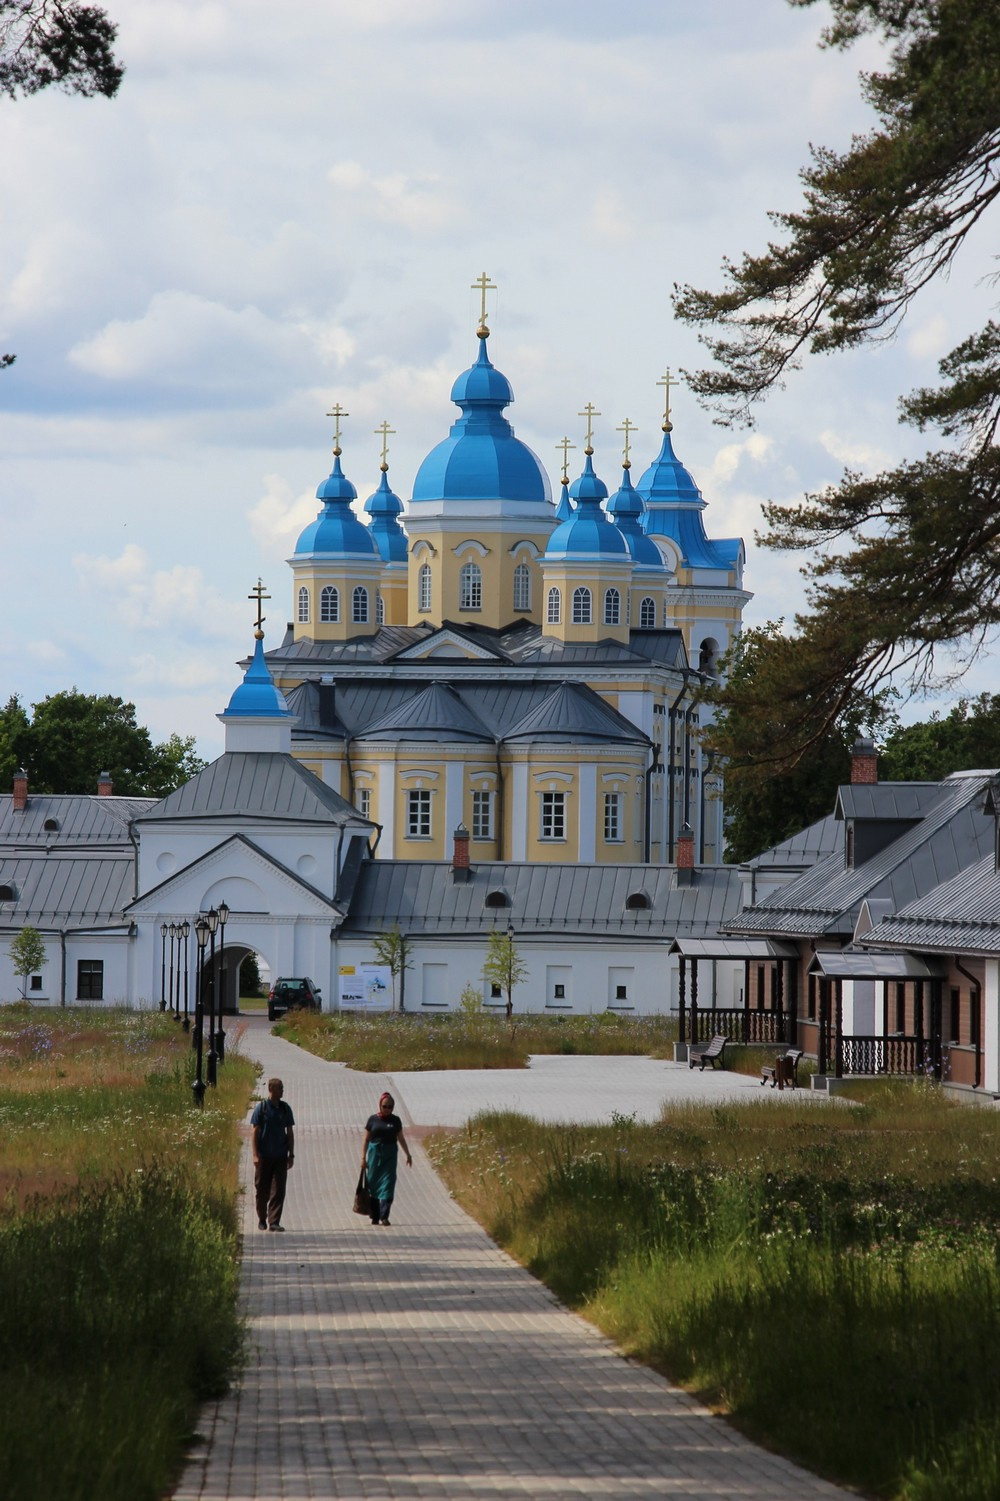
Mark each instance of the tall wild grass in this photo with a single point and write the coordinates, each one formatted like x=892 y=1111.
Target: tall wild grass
x=829 y=1277
x=118 y=1250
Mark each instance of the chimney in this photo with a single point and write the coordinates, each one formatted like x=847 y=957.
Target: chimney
x=104 y=784
x=20 y=791
x=460 y=858
x=864 y=763
x=685 y=856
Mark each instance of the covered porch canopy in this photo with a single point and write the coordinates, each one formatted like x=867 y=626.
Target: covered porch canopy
x=740 y=1024
x=848 y=964
x=888 y=1051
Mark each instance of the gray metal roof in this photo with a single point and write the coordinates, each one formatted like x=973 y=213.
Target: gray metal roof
x=952 y=835
x=961 y=915
x=889 y=801
x=83 y=819
x=733 y=948
x=437 y=713
x=67 y=890
x=576 y=713
x=803 y=849
x=848 y=965
x=257 y=784
x=423 y=897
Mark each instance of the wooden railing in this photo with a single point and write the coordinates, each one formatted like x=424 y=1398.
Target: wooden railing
x=881 y=1055
x=738 y=1024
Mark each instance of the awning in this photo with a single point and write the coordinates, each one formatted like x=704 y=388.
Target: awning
x=842 y=965
x=733 y=948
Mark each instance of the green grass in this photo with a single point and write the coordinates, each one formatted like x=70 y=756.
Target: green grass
x=402 y=1042
x=119 y=1253
x=828 y=1277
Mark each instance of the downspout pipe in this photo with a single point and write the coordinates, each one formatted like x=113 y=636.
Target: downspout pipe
x=672 y=767
x=651 y=769
x=500 y=802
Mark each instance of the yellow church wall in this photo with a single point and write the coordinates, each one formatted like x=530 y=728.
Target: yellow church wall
x=597 y=579
x=345 y=580
x=496 y=554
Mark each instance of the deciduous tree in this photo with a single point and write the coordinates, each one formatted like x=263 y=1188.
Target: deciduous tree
x=73 y=737
x=27 y=952
x=504 y=966
x=906 y=563
x=391 y=950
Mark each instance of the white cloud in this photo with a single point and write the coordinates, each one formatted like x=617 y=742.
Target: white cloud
x=854 y=453
x=164 y=601
x=419 y=204
x=278 y=516
x=928 y=340
x=731 y=457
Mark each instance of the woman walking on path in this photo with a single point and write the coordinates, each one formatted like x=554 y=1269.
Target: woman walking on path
x=383 y=1138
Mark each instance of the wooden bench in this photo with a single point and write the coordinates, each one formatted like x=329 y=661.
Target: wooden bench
x=708 y=1052
x=784 y=1069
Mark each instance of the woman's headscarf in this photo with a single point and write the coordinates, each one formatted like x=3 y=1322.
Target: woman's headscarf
x=383 y=1097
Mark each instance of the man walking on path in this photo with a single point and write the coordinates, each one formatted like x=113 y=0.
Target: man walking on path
x=273 y=1154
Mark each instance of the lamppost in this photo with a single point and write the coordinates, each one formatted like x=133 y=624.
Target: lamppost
x=172 y=930
x=201 y=934
x=185 y=932
x=212 y=918
x=163 y=966
x=220 y=1036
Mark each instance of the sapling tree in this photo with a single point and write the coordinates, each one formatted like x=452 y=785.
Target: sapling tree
x=504 y=966
x=27 y=952
x=392 y=950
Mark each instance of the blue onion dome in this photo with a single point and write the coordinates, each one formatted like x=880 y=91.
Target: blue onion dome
x=627 y=508
x=336 y=530
x=588 y=533
x=384 y=507
x=481 y=459
x=257 y=697
x=564 y=510
x=666 y=481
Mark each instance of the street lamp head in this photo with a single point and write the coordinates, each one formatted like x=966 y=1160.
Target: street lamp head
x=201 y=933
x=212 y=918
x=173 y=930
x=163 y=930
x=185 y=928
x=223 y=914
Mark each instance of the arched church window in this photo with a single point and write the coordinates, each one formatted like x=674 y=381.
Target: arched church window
x=612 y=607
x=379 y=608
x=582 y=607
x=329 y=605
x=360 y=606
x=303 y=606
x=647 y=615
x=424 y=587
x=553 y=608
x=470 y=587
x=522 y=587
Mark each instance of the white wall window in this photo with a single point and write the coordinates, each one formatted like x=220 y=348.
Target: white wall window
x=418 y=814
x=612 y=607
x=647 y=615
x=482 y=815
x=522 y=587
x=553 y=607
x=303 y=606
x=424 y=587
x=329 y=604
x=359 y=610
x=470 y=587
x=612 y=817
x=363 y=801
x=553 y=815
x=582 y=607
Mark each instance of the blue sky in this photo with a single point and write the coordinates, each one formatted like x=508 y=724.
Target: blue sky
x=285 y=206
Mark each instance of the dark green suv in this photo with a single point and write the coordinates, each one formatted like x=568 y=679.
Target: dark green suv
x=286 y=995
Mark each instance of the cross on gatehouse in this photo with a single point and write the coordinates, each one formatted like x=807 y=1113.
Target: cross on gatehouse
x=565 y=445
x=259 y=595
x=336 y=412
x=627 y=427
x=484 y=284
x=590 y=412
x=665 y=381
x=384 y=429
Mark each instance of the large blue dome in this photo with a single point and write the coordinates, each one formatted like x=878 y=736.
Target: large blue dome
x=588 y=533
x=336 y=530
x=481 y=459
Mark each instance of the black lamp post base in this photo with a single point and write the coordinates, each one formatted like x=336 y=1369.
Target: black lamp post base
x=198 y=1089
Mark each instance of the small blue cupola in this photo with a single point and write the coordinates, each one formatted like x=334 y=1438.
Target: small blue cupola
x=385 y=507
x=564 y=508
x=674 y=507
x=588 y=533
x=258 y=717
x=481 y=459
x=336 y=532
x=627 y=509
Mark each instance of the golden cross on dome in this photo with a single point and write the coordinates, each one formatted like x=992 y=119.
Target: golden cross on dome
x=485 y=285
x=665 y=381
x=590 y=412
x=627 y=427
x=385 y=430
x=565 y=445
x=336 y=412
x=258 y=594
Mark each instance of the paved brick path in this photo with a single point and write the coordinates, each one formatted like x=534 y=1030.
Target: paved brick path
x=418 y=1361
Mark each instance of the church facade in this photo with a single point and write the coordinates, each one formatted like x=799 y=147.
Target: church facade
x=487 y=658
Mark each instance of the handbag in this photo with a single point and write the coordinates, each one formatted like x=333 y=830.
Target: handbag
x=362 y=1198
